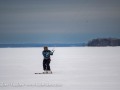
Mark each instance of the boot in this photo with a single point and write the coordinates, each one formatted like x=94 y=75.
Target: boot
x=49 y=72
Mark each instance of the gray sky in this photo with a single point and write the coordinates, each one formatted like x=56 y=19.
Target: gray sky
x=70 y=21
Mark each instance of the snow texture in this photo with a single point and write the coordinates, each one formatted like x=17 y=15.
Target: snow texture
x=74 y=68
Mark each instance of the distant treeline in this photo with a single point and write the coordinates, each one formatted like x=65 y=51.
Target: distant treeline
x=104 y=42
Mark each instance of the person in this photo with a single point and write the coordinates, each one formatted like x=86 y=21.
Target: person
x=46 y=61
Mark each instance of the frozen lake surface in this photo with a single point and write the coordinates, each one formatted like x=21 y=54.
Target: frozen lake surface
x=74 y=68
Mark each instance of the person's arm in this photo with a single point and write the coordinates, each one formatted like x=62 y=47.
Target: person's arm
x=51 y=53
x=43 y=53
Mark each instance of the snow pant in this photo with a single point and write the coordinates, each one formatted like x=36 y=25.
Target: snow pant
x=46 y=64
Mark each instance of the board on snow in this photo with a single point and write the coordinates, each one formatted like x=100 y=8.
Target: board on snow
x=43 y=73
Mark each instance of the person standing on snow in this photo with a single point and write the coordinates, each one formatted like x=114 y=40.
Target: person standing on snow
x=46 y=61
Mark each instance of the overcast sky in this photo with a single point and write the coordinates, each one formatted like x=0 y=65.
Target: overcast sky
x=51 y=21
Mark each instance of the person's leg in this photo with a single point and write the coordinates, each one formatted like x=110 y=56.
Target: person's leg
x=44 y=65
x=48 y=65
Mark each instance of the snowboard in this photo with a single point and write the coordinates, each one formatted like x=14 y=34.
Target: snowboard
x=44 y=73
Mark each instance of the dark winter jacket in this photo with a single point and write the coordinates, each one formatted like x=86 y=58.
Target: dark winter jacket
x=47 y=53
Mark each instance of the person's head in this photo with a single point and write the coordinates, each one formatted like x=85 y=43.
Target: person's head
x=45 y=48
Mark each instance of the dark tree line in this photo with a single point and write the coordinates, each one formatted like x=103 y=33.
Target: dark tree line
x=104 y=42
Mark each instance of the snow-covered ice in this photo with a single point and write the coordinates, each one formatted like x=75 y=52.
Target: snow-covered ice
x=74 y=68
